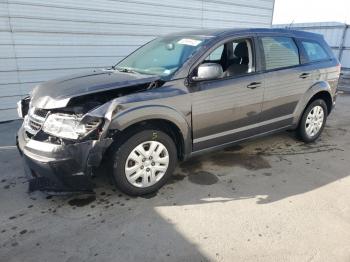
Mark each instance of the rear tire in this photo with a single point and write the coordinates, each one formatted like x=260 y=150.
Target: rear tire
x=143 y=163
x=313 y=121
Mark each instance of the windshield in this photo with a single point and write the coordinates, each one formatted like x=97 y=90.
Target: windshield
x=162 y=56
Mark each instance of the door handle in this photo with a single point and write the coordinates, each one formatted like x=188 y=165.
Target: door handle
x=304 y=75
x=254 y=85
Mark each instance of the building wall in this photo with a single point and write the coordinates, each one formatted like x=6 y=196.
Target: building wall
x=44 y=39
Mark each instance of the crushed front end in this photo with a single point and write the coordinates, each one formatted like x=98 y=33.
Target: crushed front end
x=59 y=149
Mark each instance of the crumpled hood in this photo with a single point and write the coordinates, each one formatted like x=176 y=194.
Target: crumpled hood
x=58 y=92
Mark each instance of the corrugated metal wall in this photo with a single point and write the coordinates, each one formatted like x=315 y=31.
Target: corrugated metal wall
x=336 y=34
x=44 y=39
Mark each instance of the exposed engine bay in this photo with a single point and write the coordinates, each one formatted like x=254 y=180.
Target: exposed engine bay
x=81 y=116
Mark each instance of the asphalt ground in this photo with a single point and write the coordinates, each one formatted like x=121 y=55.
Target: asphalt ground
x=271 y=199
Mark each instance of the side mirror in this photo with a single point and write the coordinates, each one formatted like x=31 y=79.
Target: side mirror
x=208 y=71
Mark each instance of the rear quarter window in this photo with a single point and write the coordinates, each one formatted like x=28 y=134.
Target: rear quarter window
x=314 y=51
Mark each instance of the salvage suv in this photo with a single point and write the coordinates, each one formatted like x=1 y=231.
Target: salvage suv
x=175 y=97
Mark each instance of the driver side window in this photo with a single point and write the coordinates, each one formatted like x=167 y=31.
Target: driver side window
x=215 y=56
x=235 y=57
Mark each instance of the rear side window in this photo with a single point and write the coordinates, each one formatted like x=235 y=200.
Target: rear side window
x=279 y=52
x=314 y=51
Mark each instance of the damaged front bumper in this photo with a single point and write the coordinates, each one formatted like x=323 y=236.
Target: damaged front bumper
x=60 y=168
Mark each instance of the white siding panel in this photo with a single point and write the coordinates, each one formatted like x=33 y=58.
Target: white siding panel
x=214 y=18
x=29 y=38
x=7 y=51
x=44 y=12
x=225 y=24
x=9 y=102
x=335 y=51
x=130 y=7
x=178 y=3
x=260 y=4
x=15 y=89
x=45 y=75
x=3 y=10
x=10 y=90
x=346 y=59
x=225 y=8
x=5 y=38
x=8 y=78
x=347 y=38
x=44 y=39
x=36 y=25
x=4 y=24
x=9 y=114
x=49 y=63
x=8 y=64
x=72 y=51
x=26 y=88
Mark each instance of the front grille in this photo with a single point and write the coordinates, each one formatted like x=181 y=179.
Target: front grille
x=40 y=112
x=34 y=125
x=34 y=120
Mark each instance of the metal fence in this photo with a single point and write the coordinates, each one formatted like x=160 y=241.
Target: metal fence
x=337 y=36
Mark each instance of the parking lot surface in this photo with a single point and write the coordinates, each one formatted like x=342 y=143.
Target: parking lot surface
x=271 y=199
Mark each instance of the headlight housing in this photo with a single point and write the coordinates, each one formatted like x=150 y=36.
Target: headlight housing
x=69 y=126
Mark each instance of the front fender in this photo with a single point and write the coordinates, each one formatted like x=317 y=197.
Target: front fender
x=320 y=86
x=130 y=116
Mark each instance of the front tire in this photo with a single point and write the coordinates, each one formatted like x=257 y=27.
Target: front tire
x=144 y=162
x=313 y=121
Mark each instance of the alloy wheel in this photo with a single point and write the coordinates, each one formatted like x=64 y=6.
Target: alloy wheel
x=314 y=121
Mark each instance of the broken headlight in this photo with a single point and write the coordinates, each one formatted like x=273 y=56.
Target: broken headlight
x=69 y=126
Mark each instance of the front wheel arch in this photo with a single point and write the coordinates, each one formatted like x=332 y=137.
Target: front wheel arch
x=163 y=125
x=159 y=115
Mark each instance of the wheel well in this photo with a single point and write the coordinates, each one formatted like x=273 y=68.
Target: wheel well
x=166 y=126
x=325 y=96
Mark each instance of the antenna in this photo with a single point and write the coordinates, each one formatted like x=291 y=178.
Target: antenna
x=291 y=24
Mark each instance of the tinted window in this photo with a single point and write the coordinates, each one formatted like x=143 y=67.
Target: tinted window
x=314 y=51
x=279 y=52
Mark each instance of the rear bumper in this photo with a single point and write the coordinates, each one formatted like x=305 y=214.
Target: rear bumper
x=60 y=168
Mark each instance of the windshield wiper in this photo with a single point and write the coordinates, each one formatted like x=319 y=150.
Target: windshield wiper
x=125 y=70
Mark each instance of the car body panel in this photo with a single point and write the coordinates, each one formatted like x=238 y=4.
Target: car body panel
x=229 y=105
x=208 y=114
x=58 y=92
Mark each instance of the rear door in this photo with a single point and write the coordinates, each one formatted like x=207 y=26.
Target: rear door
x=286 y=80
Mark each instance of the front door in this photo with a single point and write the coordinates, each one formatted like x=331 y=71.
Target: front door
x=228 y=109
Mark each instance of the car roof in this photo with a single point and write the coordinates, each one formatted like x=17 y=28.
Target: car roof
x=222 y=32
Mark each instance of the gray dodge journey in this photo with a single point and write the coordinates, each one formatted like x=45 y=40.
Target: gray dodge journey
x=175 y=97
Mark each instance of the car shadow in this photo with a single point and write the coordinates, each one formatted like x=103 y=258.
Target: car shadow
x=276 y=167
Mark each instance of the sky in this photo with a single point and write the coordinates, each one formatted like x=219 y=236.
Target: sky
x=306 y=11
